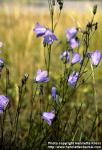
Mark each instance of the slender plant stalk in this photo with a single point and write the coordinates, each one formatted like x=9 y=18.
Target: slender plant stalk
x=64 y=83
x=49 y=58
x=51 y=9
x=18 y=112
x=76 y=120
x=66 y=123
x=73 y=138
x=9 y=112
x=2 y=129
x=31 y=112
x=45 y=57
x=93 y=126
x=81 y=135
x=95 y=101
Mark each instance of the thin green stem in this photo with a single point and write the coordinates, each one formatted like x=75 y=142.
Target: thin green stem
x=33 y=95
x=45 y=57
x=18 y=112
x=95 y=101
x=49 y=59
x=51 y=9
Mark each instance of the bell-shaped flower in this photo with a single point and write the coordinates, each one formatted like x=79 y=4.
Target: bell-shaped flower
x=74 y=43
x=76 y=58
x=73 y=79
x=71 y=33
x=39 y=30
x=65 y=56
x=95 y=57
x=3 y=103
x=48 y=117
x=42 y=76
x=49 y=37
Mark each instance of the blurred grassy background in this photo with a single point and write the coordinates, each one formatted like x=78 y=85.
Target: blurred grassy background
x=23 y=52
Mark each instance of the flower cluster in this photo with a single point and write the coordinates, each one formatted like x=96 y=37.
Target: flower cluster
x=71 y=35
x=48 y=35
x=72 y=38
x=69 y=56
x=95 y=57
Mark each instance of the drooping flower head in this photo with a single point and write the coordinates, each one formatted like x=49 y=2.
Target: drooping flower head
x=95 y=57
x=48 y=117
x=42 y=76
x=74 y=43
x=49 y=37
x=76 y=58
x=65 y=56
x=1 y=64
x=39 y=30
x=3 y=103
x=73 y=79
x=71 y=33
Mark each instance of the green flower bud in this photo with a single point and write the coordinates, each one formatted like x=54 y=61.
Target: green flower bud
x=94 y=9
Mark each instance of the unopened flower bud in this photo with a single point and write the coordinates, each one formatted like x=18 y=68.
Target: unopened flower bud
x=94 y=9
x=25 y=78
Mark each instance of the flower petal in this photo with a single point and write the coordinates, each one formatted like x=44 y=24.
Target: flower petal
x=76 y=58
x=71 y=33
x=39 y=30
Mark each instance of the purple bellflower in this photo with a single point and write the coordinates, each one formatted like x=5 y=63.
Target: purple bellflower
x=73 y=79
x=71 y=33
x=65 y=56
x=42 y=76
x=76 y=58
x=55 y=96
x=95 y=57
x=39 y=30
x=3 y=103
x=49 y=37
x=1 y=64
x=48 y=117
x=54 y=92
x=74 y=43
